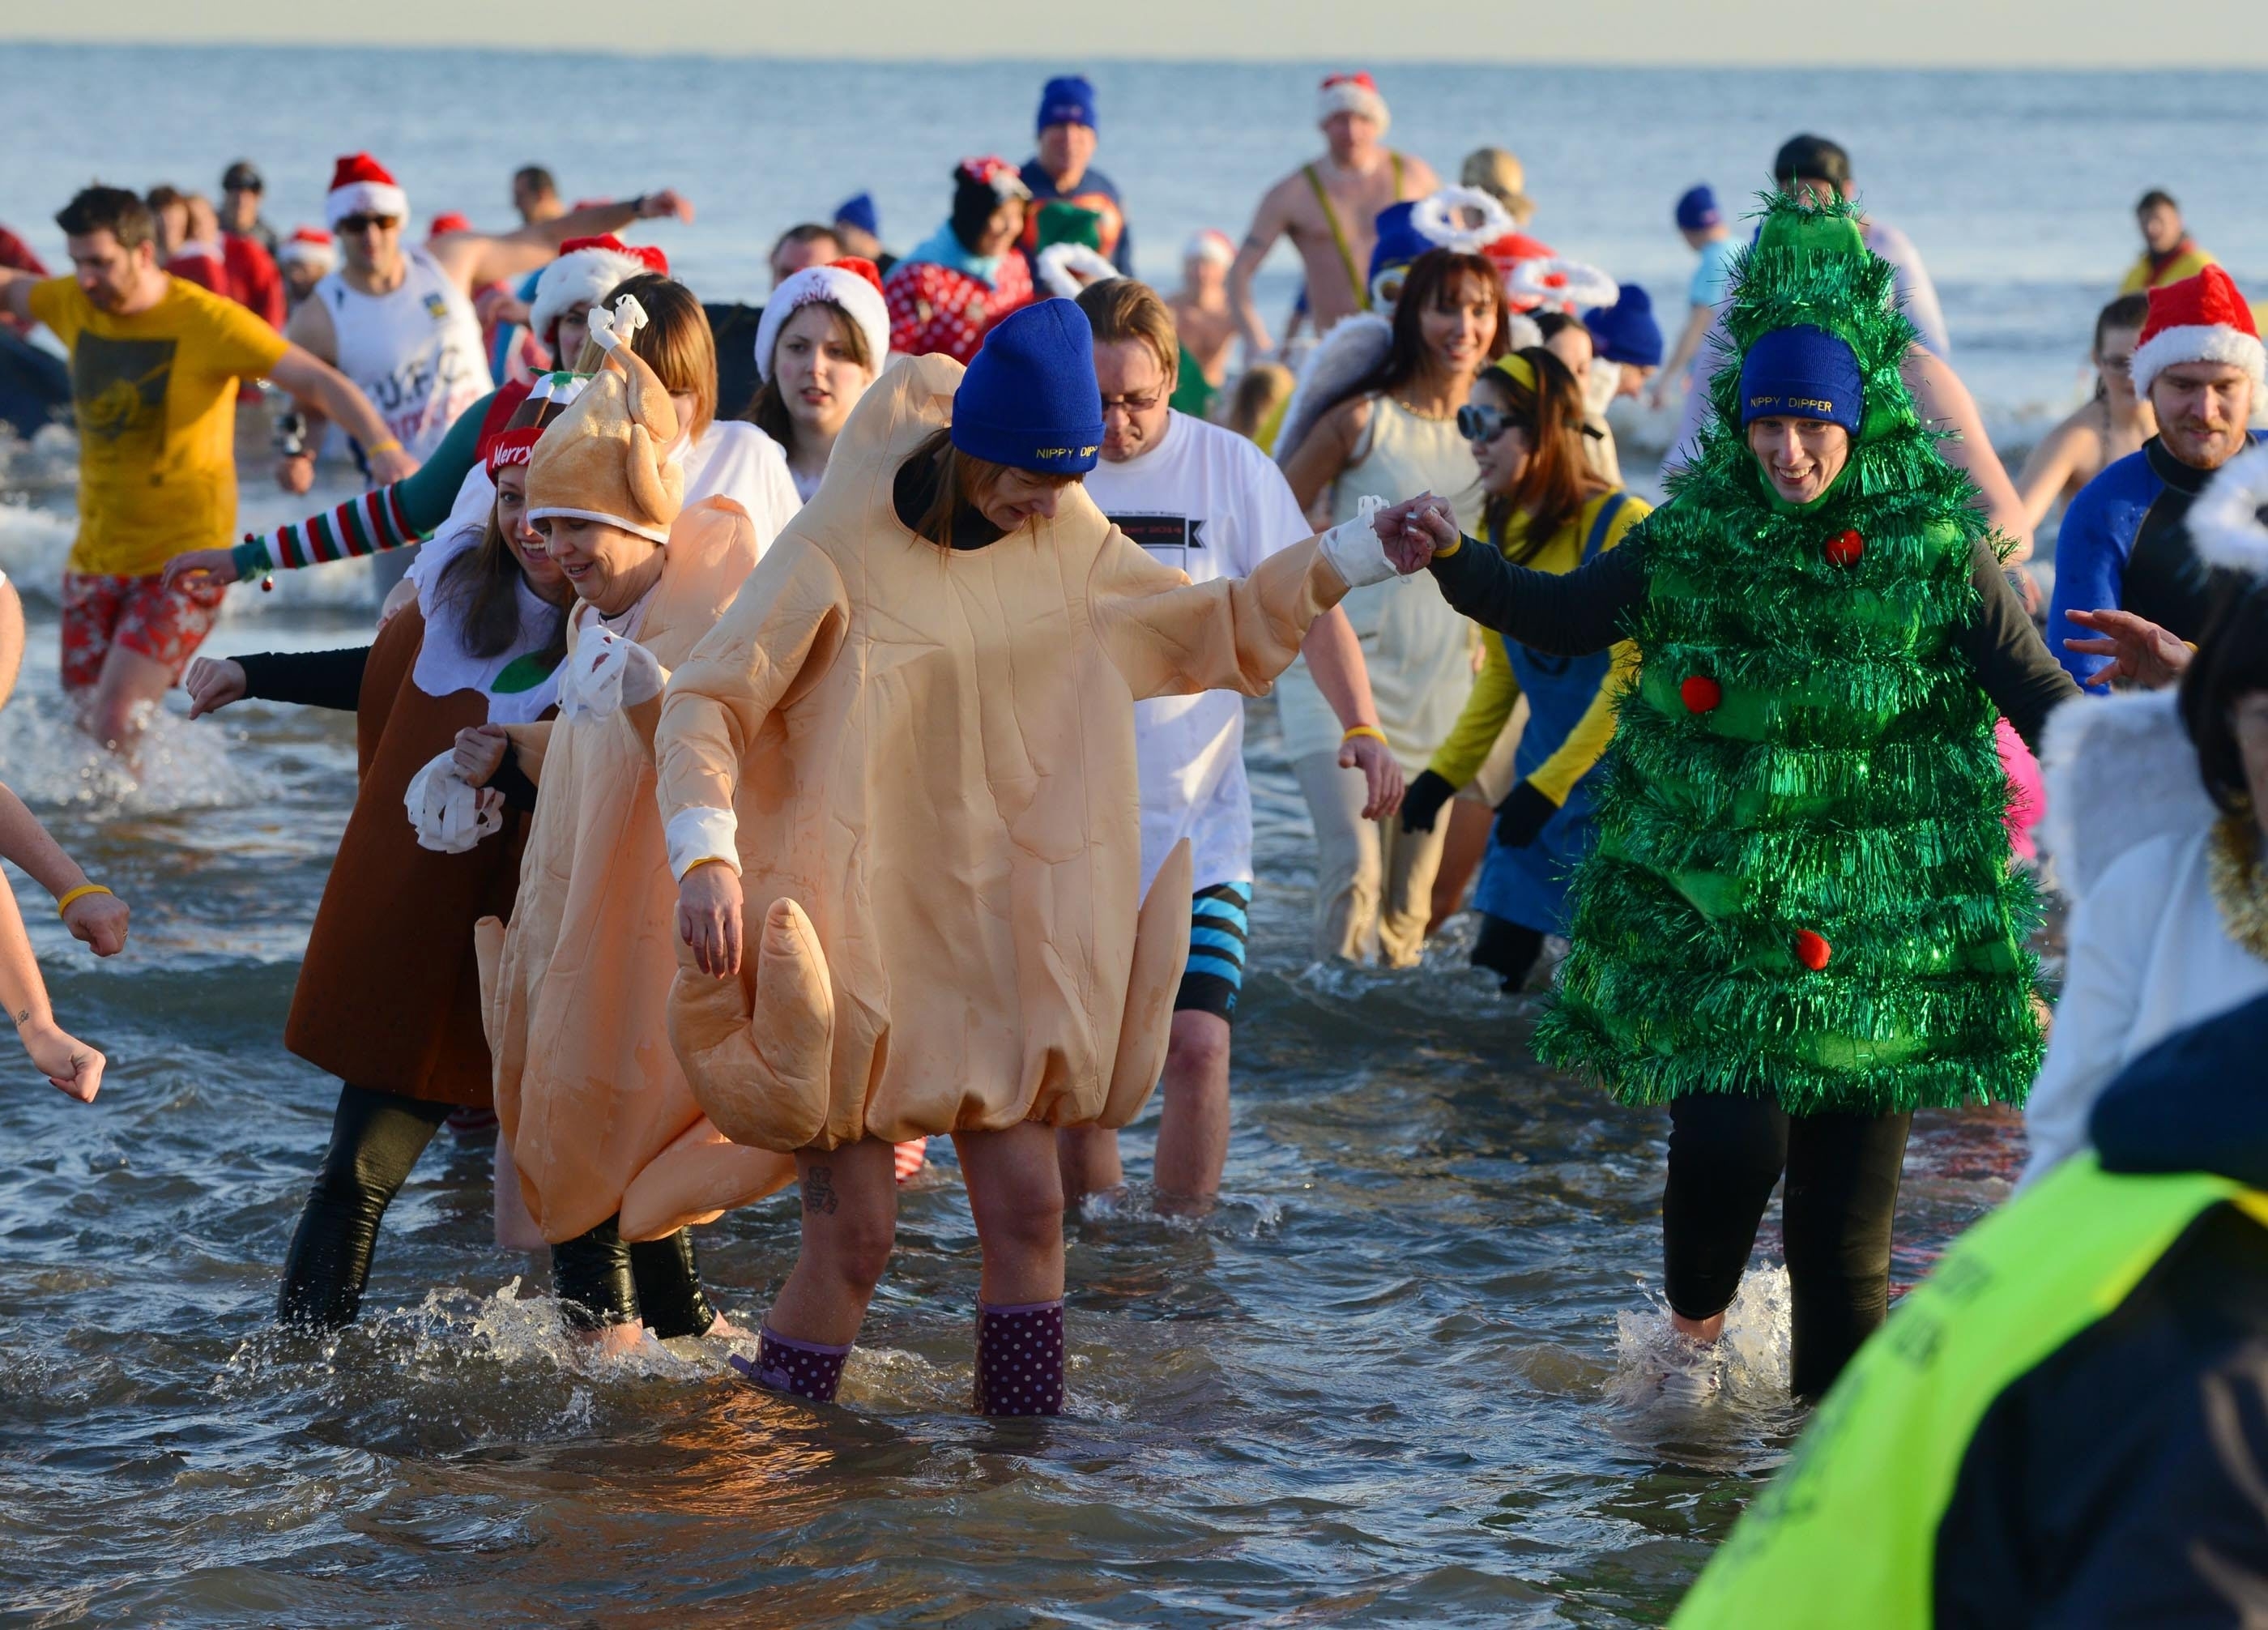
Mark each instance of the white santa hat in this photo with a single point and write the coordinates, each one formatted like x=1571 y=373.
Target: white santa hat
x=1066 y=270
x=362 y=186
x=852 y=282
x=586 y=270
x=1352 y=94
x=2200 y=319
x=1212 y=245
x=2228 y=522
x=310 y=245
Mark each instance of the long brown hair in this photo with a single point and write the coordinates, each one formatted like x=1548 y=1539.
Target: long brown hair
x=676 y=343
x=1558 y=479
x=1433 y=279
x=481 y=585
x=962 y=480
x=769 y=411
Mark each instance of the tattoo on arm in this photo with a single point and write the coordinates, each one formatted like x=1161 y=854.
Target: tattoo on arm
x=819 y=1189
x=23 y=1017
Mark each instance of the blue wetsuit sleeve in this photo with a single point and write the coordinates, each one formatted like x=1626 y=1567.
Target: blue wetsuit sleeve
x=2090 y=569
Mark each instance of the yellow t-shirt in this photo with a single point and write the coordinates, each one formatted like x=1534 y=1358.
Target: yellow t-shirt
x=155 y=396
x=2143 y=276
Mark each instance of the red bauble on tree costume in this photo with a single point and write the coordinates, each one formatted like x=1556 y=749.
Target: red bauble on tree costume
x=1700 y=693
x=1844 y=548
x=1812 y=949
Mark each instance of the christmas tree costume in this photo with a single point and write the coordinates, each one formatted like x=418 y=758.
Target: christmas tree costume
x=1799 y=923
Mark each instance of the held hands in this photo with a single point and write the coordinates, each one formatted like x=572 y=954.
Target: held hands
x=219 y=565
x=2140 y=653
x=1413 y=530
x=213 y=682
x=709 y=917
x=480 y=752
x=1381 y=776
x=70 y=1066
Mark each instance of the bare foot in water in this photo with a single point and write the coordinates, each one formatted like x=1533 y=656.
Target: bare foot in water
x=617 y=1341
x=724 y=1330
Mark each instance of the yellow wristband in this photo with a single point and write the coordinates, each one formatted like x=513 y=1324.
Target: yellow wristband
x=392 y=444
x=1443 y=554
x=1371 y=731
x=77 y=895
x=707 y=859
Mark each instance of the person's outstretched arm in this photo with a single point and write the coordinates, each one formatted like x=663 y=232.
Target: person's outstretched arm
x=1268 y=226
x=11 y=637
x=70 y=1065
x=1569 y=615
x=95 y=916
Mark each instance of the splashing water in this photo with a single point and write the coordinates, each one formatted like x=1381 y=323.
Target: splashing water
x=1754 y=1346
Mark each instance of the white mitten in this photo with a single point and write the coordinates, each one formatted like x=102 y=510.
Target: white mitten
x=606 y=675
x=450 y=815
x=1353 y=548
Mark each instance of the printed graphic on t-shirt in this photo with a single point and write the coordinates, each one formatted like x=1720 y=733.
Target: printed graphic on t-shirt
x=118 y=387
x=1169 y=538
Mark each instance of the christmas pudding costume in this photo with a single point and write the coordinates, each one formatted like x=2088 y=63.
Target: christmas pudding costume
x=607 y=1137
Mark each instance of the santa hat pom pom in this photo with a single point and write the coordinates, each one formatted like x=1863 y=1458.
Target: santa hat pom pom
x=2228 y=523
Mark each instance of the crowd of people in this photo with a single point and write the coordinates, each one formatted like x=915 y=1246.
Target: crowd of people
x=797 y=732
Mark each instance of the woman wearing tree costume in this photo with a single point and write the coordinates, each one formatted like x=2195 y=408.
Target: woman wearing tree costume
x=1799 y=923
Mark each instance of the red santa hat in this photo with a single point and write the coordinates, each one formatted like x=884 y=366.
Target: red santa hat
x=448 y=221
x=361 y=185
x=1352 y=94
x=586 y=269
x=2200 y=319
x=310 y=245
x=851 y=283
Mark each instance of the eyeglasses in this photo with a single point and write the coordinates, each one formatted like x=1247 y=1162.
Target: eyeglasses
x=358 y=223
x=1476 y=423
x=1134 y=404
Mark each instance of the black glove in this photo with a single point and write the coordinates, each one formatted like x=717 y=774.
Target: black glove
x=1422 y=800
x=1521 y=816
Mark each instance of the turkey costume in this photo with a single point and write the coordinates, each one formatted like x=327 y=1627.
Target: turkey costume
x=610 y=1144
x=921 y=762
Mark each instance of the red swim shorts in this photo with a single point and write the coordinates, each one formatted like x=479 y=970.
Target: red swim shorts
x=140 y=613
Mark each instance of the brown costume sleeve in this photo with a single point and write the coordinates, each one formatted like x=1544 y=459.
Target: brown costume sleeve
x=789 y=619
x=1170 y=636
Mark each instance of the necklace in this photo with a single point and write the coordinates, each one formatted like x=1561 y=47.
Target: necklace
x=2239 y=882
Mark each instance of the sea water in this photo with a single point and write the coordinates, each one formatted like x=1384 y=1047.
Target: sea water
x=1404 y=1374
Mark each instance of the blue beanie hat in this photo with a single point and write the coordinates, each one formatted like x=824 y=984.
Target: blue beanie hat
x=1801 y=373
x=1627 y=331
x=859 y=212
x=1029 y=400
x=1697 y=210
x=1067 y=100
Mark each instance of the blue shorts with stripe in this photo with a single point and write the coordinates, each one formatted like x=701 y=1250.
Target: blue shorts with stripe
x=1216 y=969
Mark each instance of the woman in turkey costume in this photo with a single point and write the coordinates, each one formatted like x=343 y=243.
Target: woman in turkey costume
x=1799 y=923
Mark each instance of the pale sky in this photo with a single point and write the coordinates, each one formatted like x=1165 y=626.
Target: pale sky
x=1949 y=33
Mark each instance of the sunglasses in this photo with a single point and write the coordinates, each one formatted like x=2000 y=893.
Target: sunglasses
x=1476 y=423
x=359 y=223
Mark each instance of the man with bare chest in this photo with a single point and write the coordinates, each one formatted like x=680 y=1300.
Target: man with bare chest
x=1329 y=208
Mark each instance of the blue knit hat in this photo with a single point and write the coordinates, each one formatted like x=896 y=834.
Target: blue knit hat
x=1627 y=331
x=1798 y=373
x=1697 y=210
x=859 y=212
x=1029 y=400
x=1067 y=100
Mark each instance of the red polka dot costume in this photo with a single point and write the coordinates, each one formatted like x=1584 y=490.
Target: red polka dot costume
x=940 y=308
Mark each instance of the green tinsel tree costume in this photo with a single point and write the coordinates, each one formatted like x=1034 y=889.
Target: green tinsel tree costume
x=1801 y=887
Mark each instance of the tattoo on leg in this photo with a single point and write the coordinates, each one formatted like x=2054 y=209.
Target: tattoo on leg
x=819 y=1189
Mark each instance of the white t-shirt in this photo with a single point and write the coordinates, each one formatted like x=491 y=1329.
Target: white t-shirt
x=1208 y=503
x=737 y=460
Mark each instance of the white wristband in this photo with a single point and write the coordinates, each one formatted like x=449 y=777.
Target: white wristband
x=698 y=834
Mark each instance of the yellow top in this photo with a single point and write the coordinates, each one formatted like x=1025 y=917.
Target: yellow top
x=1459 y=759
x=155 y=396
x=2141 y=276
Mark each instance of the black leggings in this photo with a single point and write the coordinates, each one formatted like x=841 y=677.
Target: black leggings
x=603 y=1281
x=1507 y=949
x=376 y=1138
x=1726 y=1151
